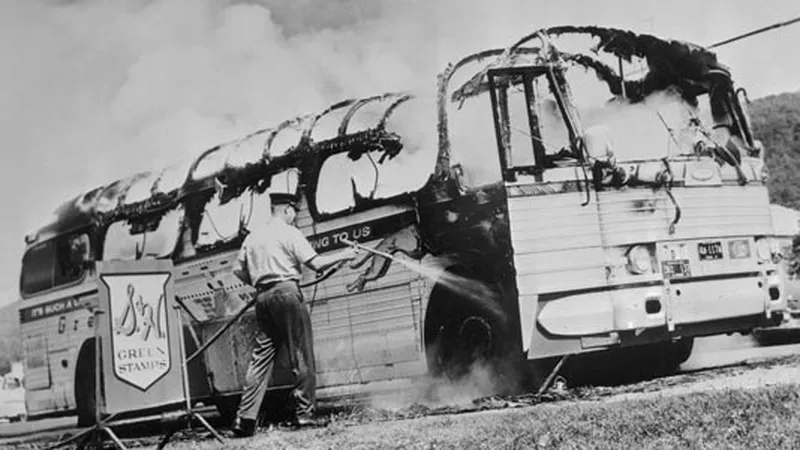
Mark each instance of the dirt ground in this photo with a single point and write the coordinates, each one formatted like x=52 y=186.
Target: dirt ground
x=503 y=420
x=766 y=369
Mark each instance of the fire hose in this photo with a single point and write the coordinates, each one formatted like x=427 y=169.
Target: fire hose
x=358 y=246
x=325 y=275
x=548 y=381
x=550 y=377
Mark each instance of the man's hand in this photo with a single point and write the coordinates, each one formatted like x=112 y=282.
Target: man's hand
x=349 y=254
x=322 y=262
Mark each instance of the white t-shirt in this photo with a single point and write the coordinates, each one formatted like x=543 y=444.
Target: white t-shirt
x=276 y=252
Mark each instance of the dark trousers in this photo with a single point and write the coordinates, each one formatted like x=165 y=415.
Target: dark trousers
x=282 y=320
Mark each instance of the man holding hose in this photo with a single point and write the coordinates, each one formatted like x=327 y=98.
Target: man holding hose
x=271 y=260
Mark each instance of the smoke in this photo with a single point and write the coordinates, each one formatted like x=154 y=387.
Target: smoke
x=162 y=80
x=95 y=91
x=661 y=124
x=460 y=382
x=436 y=392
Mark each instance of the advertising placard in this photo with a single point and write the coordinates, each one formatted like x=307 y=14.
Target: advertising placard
x=139 y=335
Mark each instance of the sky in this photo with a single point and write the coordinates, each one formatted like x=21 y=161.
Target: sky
x=93 y=91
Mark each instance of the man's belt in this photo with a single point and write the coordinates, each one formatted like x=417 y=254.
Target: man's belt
x=261 y=287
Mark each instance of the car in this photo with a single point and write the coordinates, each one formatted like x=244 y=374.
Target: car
x=12 y=400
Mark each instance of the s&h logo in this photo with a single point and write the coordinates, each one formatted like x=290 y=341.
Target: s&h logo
x=139 y=339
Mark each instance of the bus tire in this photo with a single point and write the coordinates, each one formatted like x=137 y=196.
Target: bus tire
x=678 y=352
x=462 y=339
x=662 y=359
x=84 y=385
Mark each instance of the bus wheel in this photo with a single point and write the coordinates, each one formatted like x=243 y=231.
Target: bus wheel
x=678 y=352
x=85 y=386
x=466 y=335
x=662 y=359
x=469 y=344
x=459 y=347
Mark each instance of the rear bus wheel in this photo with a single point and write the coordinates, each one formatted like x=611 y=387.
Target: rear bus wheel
x=85 y=385
x=460 y=345
x=464 y=342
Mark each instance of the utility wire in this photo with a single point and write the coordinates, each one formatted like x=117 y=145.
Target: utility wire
x=734 y=39
x=755 y=32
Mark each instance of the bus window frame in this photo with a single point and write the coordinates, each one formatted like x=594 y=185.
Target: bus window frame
x=84 y=267
x=309 y=183
x=138 y=221
x=500 y=114
x=194 y=210
x=205 y=216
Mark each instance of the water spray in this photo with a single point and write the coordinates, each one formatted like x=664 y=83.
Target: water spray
x=231 y=321
x=414 y=266
x=553 y=373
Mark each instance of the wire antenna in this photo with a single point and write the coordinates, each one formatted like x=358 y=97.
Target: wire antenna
x=755 y=32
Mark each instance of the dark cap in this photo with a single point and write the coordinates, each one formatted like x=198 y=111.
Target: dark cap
x=282 y=198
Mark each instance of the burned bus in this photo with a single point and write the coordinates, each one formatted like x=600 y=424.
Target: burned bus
x=545 y=202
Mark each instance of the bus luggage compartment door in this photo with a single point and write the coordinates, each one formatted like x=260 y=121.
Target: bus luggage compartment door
x=227 y=358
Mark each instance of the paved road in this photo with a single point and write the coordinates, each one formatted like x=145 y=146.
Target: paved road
x=718 y=351
x=16 y=429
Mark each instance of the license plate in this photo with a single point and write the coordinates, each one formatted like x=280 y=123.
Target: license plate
x=709 y=250
x=676 y=268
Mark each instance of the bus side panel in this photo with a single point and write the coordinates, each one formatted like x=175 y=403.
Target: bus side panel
x=366 y=329
x=358 y=336
x=53 y=331
x=213 y=295
x=380 y=324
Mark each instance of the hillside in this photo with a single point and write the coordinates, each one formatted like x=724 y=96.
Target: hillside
x=776 y=121
x=10 y=348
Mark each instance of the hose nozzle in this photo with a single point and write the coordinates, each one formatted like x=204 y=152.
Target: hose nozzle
x=356 y=245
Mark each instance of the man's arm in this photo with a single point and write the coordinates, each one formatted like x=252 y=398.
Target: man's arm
x=240 y=270
x=322 y=262
x=306 y=254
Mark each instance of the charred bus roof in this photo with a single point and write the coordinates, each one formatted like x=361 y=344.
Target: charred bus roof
x=355 y=126
x=670 y=63
x=298 y=142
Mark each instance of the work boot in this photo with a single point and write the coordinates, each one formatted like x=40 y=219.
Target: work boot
x=305 y=421
x=304 y=410
x=244 y=427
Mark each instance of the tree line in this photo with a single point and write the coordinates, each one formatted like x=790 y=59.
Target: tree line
x=776 y=122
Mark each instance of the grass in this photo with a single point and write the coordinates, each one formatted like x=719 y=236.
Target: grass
x=764 y=418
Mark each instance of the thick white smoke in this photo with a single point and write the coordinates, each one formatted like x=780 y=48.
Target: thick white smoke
x=92 y=91
x=95 y=91
x=435 y=392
